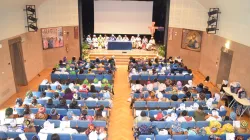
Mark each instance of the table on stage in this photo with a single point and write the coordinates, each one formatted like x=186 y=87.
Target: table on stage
x=245 y=102
x=119 y=45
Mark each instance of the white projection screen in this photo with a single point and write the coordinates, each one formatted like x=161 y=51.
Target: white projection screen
x=122 y=17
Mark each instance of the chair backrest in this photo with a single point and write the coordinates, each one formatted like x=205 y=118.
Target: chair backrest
x=181 y=95
x=169 y=89
x=198 y=137
x=29 y=135
x=79 y=123
x=91 y=103
x=73 y=77
x=64 y=136
x=81 y=76
x=223 y=113
x=152 y=77
x=145 y=137
x=187 y=125
x=105 y=103
x=201 y=124
x=152 y=104
x=56 y=122
x=135 y=77
x=109 y=77
x=188 y=103
x=13 y=134
x=163 y=104
x=41 y=101
x=50 y=94
x=90 y=77
x=36 y=94
x=62 y=111
x=139 y=104
x=54 y=77
x=144 y=77
x=76 y=111
x=175 y=104
x=167 y=95
x=153 y=112
x=79 y=137
x=162 y=137
x=91 y=112
x=20 y=111
x=100 y=123
x=3 y=135
x=34 y=110
x=179 y=137
x=159 y=124
x=39 y=122
x=53 y=86
x=64 y=76
x=149 y=124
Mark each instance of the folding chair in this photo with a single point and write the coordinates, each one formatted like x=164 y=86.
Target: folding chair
x=136 y=95
x=64 y=87
x=223 y=113
x=79 y=137
x=171 y=77
x=53 y=86
x=83 y=94
x=144 y=78
x=169 y=124
x=191 y=113
x=56 y=102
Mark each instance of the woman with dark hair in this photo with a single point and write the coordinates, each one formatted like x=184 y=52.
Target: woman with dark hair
x=174 y=97
x=50 y=104
x=73 y=60
x=188 y=97
x=34 y=104
x=59 y=88
x=74 y=105
x=81 y=71
x=154 y=72
x=62 y=104
x=68 y=94
x=55 y=137
x=142 y=118
x=92 y=89
x=99 y=116
x=56 y=96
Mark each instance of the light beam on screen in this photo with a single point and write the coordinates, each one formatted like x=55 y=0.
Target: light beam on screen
x=122 y=17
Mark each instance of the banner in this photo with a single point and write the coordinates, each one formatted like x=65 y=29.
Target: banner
x=52 y=37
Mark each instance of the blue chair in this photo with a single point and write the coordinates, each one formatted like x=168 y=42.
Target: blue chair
x=162 y=137
x=179 y=78
x=83 y=95
x=153 y=112
x=175 y=104
x=38 y=122
x=90 y=77
x=181 y=95
x=223 y=113
x=64 y=136
x=187 y=125
x=171 y=77
x=155 y=88
x=79 y=137
x=146 y=94
x=201 y=124
x=202 y=103
x=36 y=94
x=152 y=104
x=56 y=122
x=62 y=111
x=13 y=134
x=167 y=95
x=208 y=96
x=76 y=111
x=162 y=78
x=20 y=111
x=79 y=123
x=136 y=95
x=42 y=102
x=198 y=137
x=50 y=94
x=144 y=137
x=64 y=87
x=105 y=103
x=29 y=135
x=225 y=122
x=188 y=103
x=48 y=110
x=152 y=77
x=109 y=77
x=80 y=102
x=144 y=77
x=81 y=77
x=64 y=77
x=169 y=124
x=56 y=102
x=188 y=77
x=223 y=137
x=246 y=136
x=135 y=77
x=163 y=105
x=54 y=77
x=3 y=135
x=98 y=89
x=179 y=137
x=169 y=89
x=91 y=104
x=91 y=112
x=73 y=77
x=100 y=123
x=159 y=124
x=34 y=110
x=191 y=113
x=149 y=124
x=53 y=86
x=140 y=105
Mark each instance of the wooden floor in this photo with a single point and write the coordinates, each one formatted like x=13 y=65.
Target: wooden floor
x=121 y=119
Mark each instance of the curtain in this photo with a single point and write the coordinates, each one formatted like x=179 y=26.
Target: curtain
x=17 y=61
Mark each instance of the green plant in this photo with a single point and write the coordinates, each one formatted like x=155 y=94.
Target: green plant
x=161 y=50
x=85 y=50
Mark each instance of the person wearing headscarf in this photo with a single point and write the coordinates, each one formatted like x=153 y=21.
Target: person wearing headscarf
x=28 y=126
x=144 y=42
x=190 y=84
x=68 y=94
x=35 y=104
x=84 y=116
x=151 y=97
x=168 y=82
x=214 y=128
x=138 y=44
x=243 y=127
x=69 y=116
x=74 y=105
x=89 y=40
x=176 y=129
x=214 y=116
x=50 y=104
x=41 y=114
x=125 y=38
x=179 y=85
x=54 y=115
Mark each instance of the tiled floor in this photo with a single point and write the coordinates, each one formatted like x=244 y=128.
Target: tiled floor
x=121 y=119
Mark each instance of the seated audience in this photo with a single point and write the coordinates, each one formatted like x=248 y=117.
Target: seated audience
x=68 y=94
x=142 y=118
x=93 y=98
x=55 y=137
x=62 y=104
x=69 y=116
x=74 y=105
x=54 y=115
x=184 y=117
x=199 y=115
x=34 y=104
x=41 y=114
x=50 y=104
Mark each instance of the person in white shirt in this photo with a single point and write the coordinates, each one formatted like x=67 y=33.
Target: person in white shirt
x=89 y=40
x=144 y=42
x=119 y=38
x=133 y=41
x=150 y=44
x=95 y=42
x=214 y=116
x=100 y=40
x=138 y=42
x=93 y=98
x=184 y=117
x=106 y=39
x=125 y=38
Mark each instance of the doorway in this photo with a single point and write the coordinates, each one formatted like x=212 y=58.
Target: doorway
x=226 y=58
x=17 y=61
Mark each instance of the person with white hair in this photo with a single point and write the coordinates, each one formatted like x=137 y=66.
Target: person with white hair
x=150 y=44
x=138 y=44
x=119 y=38
x=95 y=42
x=89 y=40
x=125 y=38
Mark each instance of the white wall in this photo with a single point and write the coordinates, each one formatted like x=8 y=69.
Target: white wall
x=54 y=13
x=188 y=14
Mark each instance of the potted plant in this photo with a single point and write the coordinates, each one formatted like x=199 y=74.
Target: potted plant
x=161 y=50
x=85 y=50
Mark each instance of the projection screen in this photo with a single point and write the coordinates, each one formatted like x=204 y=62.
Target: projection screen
x=122 y=17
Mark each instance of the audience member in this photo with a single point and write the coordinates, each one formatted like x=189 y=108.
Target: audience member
x=62 y=104
x=50 y=104
x=68 y=94
x=199 y=115
x=41 y=114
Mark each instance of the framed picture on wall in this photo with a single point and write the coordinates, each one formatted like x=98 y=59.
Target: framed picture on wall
x=52 y=37
x=191 y=40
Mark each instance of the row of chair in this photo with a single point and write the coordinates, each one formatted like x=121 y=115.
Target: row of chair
x=80 y=77
x=185 y=137
x=63 y=112
x=185 y=125
x=163 y=105
x=151 y=113
x=161 y=78
x=166 y=95
x=89 y=104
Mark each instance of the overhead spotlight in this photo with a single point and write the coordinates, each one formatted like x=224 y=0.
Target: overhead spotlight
x=213 y=12
x=213 y=20
x=33 y=27
x=32 y=18
x=30 y=9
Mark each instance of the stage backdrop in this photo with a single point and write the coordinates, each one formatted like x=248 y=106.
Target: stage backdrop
x=191 y=40
x=52 y=37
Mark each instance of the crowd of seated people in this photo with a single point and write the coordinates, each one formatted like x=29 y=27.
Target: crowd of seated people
x=137 y=42
x=187 y=103
x=73 y=66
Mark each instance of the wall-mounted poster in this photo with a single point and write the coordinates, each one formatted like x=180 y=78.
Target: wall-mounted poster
x=191 y=40
x=52 y=37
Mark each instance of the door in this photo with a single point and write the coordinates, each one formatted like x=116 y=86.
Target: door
x=226 y=57
x=17 y=62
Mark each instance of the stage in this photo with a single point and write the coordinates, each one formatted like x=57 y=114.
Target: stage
x=121 y=56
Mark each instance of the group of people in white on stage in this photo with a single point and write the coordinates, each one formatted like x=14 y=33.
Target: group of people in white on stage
x=138 y=43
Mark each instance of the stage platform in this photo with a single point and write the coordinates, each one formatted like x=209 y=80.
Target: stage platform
x=121 y=56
